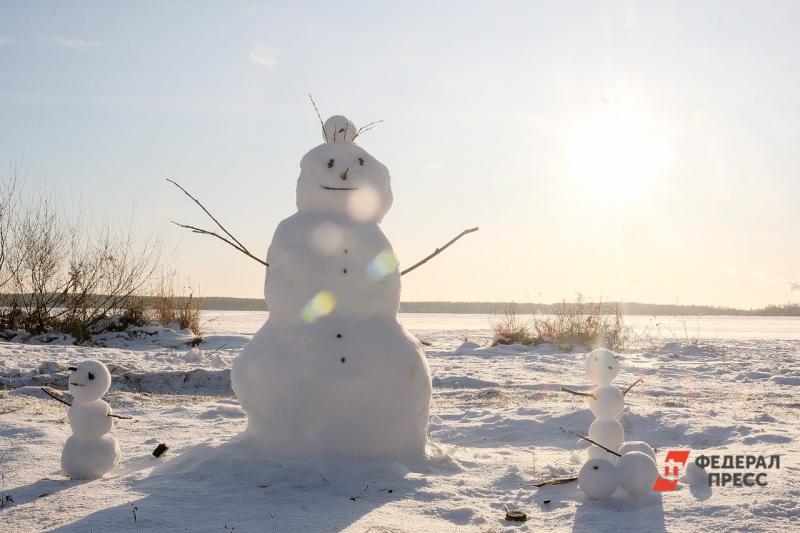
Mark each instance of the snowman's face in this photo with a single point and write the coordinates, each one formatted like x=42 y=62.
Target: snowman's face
x=89 y=381
x=602 y=366
x=342 y=178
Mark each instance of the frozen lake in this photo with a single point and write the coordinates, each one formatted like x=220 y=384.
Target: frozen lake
x=666 y=327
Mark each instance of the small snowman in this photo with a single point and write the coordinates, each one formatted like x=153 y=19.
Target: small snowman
x=630 y=465
x=89 y=452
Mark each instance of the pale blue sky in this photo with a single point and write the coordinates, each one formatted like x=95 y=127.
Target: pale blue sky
x=628 y=150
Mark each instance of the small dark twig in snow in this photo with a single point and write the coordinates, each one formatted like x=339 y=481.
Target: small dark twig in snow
x=438 y=251
x=556 y=481
x=577 y=393
x=587 y=439
x=357 y=496
x=54 y=395
x=217 y=349
x=626 y=391
x=133 y=510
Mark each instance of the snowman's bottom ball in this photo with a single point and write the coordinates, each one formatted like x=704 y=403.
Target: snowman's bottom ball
x=695 y=476
x=598 y=479
x=90 y=459
x=637 y=473
x=637 y=446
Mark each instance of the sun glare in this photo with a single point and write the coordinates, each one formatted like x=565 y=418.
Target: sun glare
x=617 y=156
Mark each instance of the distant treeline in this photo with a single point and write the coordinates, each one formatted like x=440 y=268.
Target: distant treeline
x=628 y=308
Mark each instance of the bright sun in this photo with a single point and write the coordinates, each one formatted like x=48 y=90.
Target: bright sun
x=617 y=156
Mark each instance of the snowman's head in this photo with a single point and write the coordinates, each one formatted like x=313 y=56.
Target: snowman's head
x=340 y=177
x=602 y=366
x=89 y=381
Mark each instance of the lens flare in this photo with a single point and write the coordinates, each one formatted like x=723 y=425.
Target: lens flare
x=327 y=238
x=364 y=203
x=382 y=265
x=323 y=303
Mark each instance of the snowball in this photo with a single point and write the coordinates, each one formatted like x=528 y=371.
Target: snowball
x=637 y=473
x=601 y=366
x=607 y=402
x=89 y=459
x=597 y=479
x=609 y=433
x=637 y=446
x=695 y=476
x=596 y=452
x=90 y=419
x=343 y=179
x=89 y=381
x=338 y=129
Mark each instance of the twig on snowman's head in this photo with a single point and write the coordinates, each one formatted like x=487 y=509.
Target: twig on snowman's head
x=321 y=123
x=632 y=385
x=366 y=128
x=438 y=251
x=577 y=393
x=574 y=434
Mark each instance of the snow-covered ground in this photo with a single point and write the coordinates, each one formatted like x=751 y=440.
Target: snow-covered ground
x=495 y=430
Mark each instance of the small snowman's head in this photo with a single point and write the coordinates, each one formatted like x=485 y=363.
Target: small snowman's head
x=89 y=381
x=602 y=366
x=340 y=177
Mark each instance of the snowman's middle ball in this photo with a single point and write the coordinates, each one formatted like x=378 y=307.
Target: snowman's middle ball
x=609 y=433
x=607 y=402
x=597 y=479
x=637 y=473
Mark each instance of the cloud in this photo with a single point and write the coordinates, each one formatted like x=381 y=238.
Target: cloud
x=263 y=55
x=6 y=39
x=765 y=279
x=76 y=44
x=794 y=286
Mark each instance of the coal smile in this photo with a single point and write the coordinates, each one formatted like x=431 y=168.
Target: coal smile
x=338 y=188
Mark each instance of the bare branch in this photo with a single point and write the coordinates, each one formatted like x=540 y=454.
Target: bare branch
x=54 y=395
x=577 y=393
x=593 y=442
x=202 y=231
x=209 y=214
x=632 y=385
x=556 y=481
x=238 y=245
x=438 y=251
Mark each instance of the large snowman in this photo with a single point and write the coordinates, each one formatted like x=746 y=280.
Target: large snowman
x=332 y=372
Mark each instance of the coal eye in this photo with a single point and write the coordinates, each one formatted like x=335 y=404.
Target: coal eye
x=596 y=467
x=596 y=359
x=91 y=376
x=330 y=163
x=361 y=161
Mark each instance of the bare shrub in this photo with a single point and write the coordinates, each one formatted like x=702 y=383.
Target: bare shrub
x=168 y=308
x=583 y=323
x=512 y=327
x=588 y=324
x=63 y=275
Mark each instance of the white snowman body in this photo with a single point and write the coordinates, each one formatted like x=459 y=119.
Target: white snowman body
x=332 y=372
x=89 y=452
